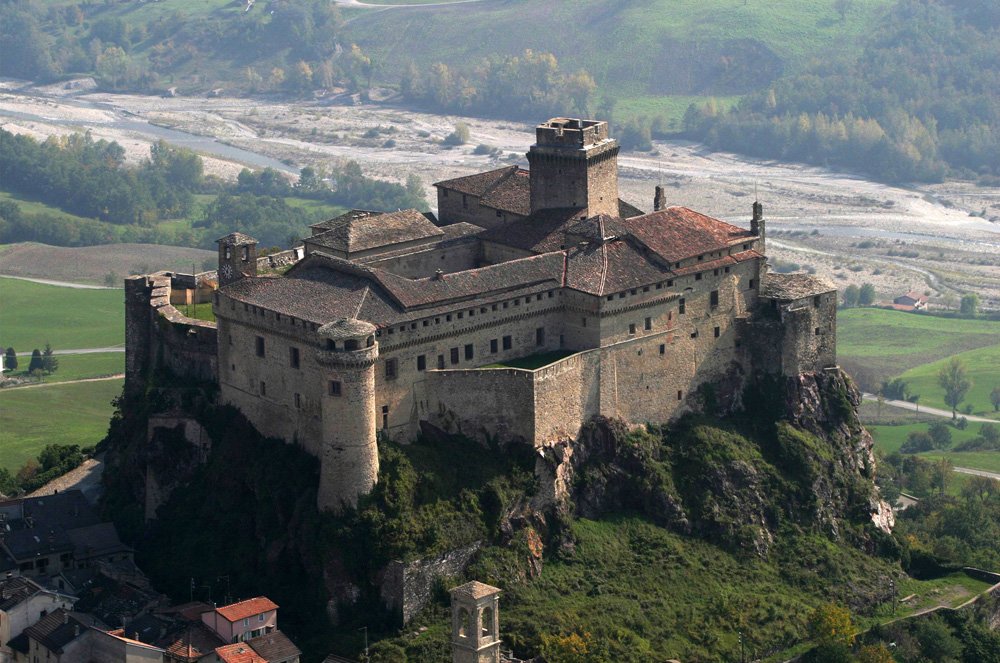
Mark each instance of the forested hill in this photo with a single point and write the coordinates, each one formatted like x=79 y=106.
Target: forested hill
x=919 y=102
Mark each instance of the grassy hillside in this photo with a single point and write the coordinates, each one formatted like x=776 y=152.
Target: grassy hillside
x=875 y=345
x=68 y=318
x=66 y=414
x=983 y=368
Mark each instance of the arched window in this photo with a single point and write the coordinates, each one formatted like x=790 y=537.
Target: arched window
x=463 y=623
x=487 y=624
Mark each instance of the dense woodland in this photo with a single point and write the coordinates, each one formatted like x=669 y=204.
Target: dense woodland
x=117 y=203
x=917 y=104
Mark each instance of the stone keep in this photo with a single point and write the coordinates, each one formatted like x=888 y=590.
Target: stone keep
x=350 y=454
x=475 y=624
x=573 y=164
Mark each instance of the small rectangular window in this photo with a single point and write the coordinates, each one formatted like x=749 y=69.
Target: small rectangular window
x=715 y=272
x=816 y=301
x=427 y=323
x=448 y=318
x=584 y=321
x=680 y=395
x=391 y=369
x=727 y=270
x=694 y=334
x=335 y=388
x=648 y=324
x=697 y=277
x=610 y=297
x=469 y=351
x=454 y=355
x=263 y=388
x=494 y=345
x=540 y=336
x=680 y=306
x=507 y=343
x=718 y=332
x=631 y=329
x=670 y=283
x=440 y=361
x=714 y=298
x=499 y=213
x=293 y=357
x=645 y=288
x=260 y=346
x=663 y=348
x=751 y=284
x=298 y=401
x=817 y=331
x=621 y=295
x=422 y=363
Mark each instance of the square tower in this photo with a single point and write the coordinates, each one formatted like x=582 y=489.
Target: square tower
x=475 y=625
x=237 y=257
x=574 y=163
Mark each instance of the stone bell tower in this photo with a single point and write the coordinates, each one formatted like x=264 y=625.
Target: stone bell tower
x=237 y=257
x=574 y=163
x=475 y=624
x=349 y=459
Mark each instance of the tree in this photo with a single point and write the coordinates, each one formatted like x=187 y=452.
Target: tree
x=460 y=136
x=995 y=398
x=866 y=296
x=942 y=474
x=49 y=362
x=956 y=383
x=940 y=434
x=112 y=65
x=851 y=294
x=970 y=305
x=10 y=359
x=831 y=625
x=842 y=7
x=36 y=361
x=572 y=648
x=980 y=488
x=875 y=654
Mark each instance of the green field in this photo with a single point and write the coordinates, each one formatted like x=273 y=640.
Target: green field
x=983 y=368
x=33 y=314
x=890 y=438
x=80 y=367
x=30 y=419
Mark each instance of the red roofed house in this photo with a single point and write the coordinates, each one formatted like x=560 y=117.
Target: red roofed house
x=391 y=323
x=911 y=301
x=241 y=621
x=237 y=653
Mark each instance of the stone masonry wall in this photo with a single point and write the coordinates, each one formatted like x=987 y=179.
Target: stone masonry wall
x=406 y=588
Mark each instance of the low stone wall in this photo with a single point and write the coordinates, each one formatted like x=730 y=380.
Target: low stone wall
x=406 y=588
x=457 y=399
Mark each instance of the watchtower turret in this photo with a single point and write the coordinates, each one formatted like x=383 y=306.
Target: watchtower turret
x=475 y=624
x=574 y=163
x=349 y=461
x=237 y=257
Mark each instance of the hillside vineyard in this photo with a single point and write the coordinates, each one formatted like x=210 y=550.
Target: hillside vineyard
x=387 y=323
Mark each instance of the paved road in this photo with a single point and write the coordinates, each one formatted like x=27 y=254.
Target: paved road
x=978 y=473
x=906 y=405
x=81 y=351
x=64 y=284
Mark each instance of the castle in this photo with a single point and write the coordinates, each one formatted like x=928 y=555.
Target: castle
x=536 y=301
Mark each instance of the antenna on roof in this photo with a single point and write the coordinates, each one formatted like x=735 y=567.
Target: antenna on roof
x=755 y=190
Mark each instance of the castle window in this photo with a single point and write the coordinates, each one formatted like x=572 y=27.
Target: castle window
x=663 y=348
x=413 y=325
x=701 y=257
x=645 y=288
x=422 y=363
x=817 y=331
x=746 y=246
x=331 y=345
x=440 y=361
x=816 y=301
x=714 y=298
x=472 y=312
x=493 y=345
x=263 y=388
x=335 y=389
x=538 y=298
x=610 y=297
x=385 y=416
x=677 y=265
x=505 y=304
x=391 y=369
x=482 y=310
x=727 y=270
x=447 y=318
x=499 y=214
x=680 y=306
x=717 y=332
x=461 y=314
x=552 y=294
x=632 y=291
x=391 y=330
x=351 y=345
x=648 y=324
x=540 y=336
x=469 y=351
x=715 y=272
x=507 y=343
x=670 y=283
x=631 y=329
x=246 y=253
x=229 y=253
x=517 y=302
x=680 y=394
x=298 y=401
x=230 y=339
x=697 y=277
x=293 y=357
x=584 y=321
x=494 y=307
x=751 y=284
x=454 y=355
x=694 y=334
x=659 y=286
x=427 y=323
x=437 y=321
x=465 y=201
x=621 y=295
x=260 y=346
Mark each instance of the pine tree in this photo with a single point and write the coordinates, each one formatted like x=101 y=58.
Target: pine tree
x=36 y=361
x=10 y=359
x=49 y=362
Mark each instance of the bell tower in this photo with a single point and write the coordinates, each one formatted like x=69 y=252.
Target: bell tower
x=574 y=163
x=475 y=624
x=237 y=257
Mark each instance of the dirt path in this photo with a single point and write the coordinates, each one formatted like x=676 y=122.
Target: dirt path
x=63 y=284
x=978 y=473
x=38 y=385
x=81 y=351
x=906 y=405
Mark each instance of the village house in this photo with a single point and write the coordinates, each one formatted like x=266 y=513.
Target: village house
x=244 y=620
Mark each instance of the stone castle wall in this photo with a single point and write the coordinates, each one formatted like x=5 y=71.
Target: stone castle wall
x=454 y=206
x=159 y=336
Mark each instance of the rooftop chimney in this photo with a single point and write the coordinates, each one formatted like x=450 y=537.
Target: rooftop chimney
x=438 y=275
x=660 y=199
x=757 y=220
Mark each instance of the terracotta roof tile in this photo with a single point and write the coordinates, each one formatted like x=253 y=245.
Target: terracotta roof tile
x=274 y=646
x=512 y=193
x=359 y=230
x=479 y=183
x=474 y=590
x=238 y=653
x=237 y=611
x=677 y=233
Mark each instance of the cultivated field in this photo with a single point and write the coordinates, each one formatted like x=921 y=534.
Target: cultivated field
x=67 y=318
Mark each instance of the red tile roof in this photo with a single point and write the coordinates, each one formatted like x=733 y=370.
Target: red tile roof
x=677 y=233
x=237 y=611
x=238 y=653
x=479 y=183
x=360 y=230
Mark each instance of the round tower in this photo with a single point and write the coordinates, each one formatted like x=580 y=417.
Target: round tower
x=349 y=460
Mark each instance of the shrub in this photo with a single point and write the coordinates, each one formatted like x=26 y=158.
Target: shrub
x=916 y=442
